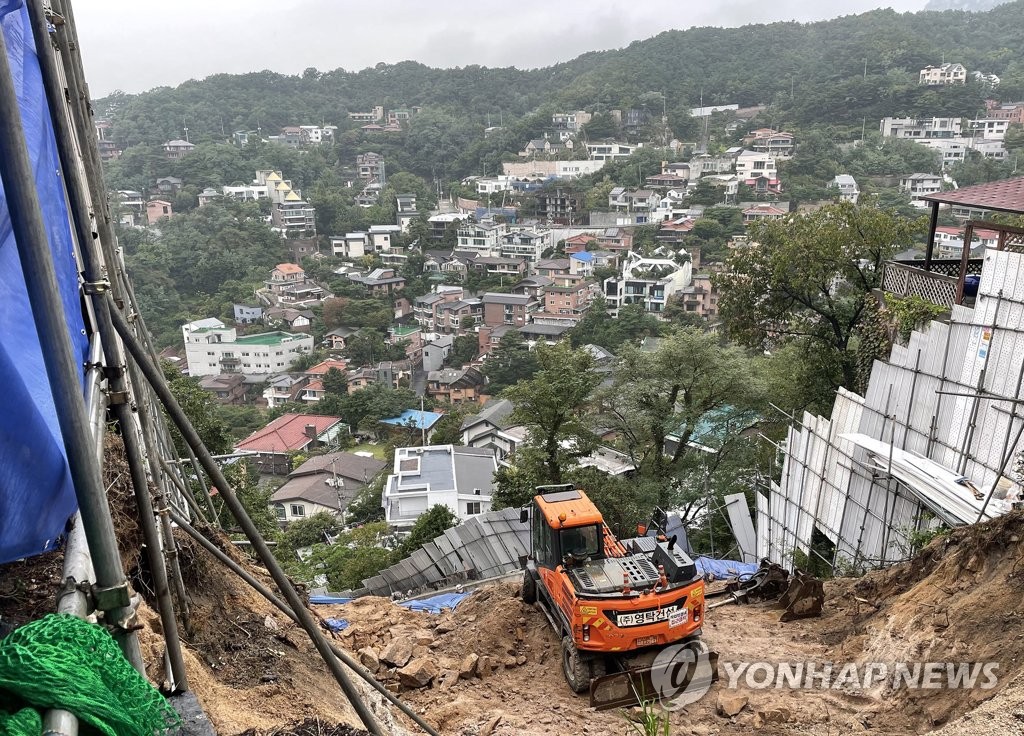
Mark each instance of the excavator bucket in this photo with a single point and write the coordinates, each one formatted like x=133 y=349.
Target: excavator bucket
x=660 y=681
x=803 y=599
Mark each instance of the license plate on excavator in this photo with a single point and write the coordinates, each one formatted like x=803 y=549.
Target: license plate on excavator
x=647 y=641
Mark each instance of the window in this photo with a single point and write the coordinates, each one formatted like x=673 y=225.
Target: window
x=472 y=508
x=279 y=510
x=298 y=509
x=584 y=541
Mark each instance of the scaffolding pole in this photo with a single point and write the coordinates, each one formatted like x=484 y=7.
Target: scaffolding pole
x=95 y=286
x=156 y=379
x=283 y=607
x=112 y=593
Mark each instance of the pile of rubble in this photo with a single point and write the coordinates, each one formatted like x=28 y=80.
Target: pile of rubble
x=490 y=633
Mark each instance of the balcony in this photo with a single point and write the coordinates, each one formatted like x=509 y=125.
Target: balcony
x=940 y=285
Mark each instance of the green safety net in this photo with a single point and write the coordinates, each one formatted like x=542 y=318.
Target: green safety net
x=63 y=662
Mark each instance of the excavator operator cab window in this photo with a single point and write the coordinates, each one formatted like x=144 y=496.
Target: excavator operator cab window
x=581 y=542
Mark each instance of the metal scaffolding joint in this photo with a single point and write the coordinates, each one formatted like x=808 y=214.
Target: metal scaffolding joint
x=93 y=288
x=71 y=587
x=109 y=599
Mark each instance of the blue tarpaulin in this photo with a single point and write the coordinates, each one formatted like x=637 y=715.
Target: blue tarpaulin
x=36 y=494
x=437 y=603
x=723 y=569
x=328 y=600
x=336 y=624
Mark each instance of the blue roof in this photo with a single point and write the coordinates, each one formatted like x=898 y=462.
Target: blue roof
x=583 y=256
x=414 y=418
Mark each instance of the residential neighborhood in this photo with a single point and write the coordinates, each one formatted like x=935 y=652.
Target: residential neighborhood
x=499 y=356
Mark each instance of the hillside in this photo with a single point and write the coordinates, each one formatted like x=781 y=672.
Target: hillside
x=822 y=64
x=973 y=6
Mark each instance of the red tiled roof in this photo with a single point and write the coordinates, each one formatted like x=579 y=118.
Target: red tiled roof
x=288 y=268
x=286 y=433
x=683 y=226
x=1001 y=196
x=581 y=238
x=979 y=233
x=321 y=368
x=761 y=209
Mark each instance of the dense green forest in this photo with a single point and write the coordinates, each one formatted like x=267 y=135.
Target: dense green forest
x=840 y=72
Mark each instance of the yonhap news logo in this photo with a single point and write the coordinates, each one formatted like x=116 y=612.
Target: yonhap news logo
x=683 y=673
x=860 y=675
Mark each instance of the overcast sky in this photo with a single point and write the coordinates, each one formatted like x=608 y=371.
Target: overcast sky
x=134 y=46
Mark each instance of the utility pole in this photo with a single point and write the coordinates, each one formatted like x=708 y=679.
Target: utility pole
x=865 y=68
x=423 y=426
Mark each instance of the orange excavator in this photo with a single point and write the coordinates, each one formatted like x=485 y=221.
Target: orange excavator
x=609 y=601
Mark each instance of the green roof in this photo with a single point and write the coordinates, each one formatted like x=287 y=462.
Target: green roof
x=405 y=330
x=265 y=338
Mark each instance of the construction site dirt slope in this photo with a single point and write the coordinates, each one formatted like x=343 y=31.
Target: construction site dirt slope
x=492 y=665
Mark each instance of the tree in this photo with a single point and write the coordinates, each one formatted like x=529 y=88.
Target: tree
x=448 y=430
x=366 y=506
x=311 y=530
x=464 y=350
x=706 y=193
x=355 y=555
x=244 y=481
x=809 y=277
x=552 y=406
x=201 y=409
x=689 y=393
x=429 y=525
x=510 y=362
x=335 y=382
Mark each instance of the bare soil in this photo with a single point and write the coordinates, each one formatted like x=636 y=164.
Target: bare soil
x=959 y=601
x=254 y=672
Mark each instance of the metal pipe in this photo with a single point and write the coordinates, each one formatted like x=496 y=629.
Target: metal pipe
x=1002 y=468
x=206 y=489
x=81 y=113
x=193 y=506
x=281 y=606
x=61 y=365
x=95 y=399
x=155 y=376
x=77 y=569
x=74 y=602
x=168 y=549
x=93 y=272
x=933 y=223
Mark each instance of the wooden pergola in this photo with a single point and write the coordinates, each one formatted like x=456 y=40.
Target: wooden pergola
x=942 y=281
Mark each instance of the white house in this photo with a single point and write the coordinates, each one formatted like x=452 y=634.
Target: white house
x=757 y=170
x=349 y=245
x=212 y=350
x=920 y=128
x=481 y=237
x=525 y=244
x=609 y=150
x=990 y=129
x=649 y=282
x=948 y=73
x=847 y=186
x=246 y=192
x=462 y=478
x=920 y=185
